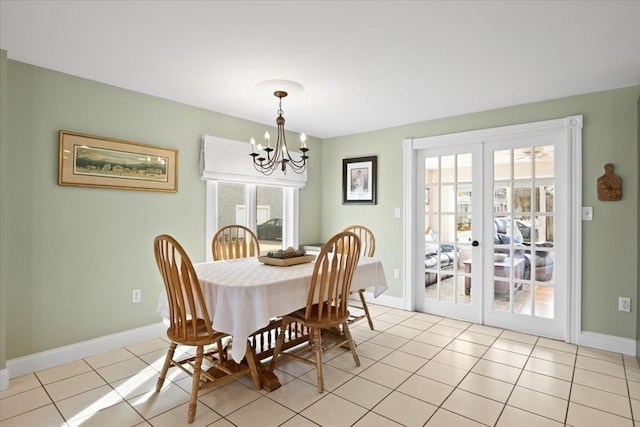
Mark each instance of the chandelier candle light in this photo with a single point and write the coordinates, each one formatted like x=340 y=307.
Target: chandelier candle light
x=278 y=157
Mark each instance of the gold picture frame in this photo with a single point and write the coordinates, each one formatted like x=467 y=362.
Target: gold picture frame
x=95 y=161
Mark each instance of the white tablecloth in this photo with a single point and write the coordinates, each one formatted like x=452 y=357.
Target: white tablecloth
x=243 y=294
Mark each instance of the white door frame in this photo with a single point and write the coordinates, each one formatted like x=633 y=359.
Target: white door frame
x=572 y=126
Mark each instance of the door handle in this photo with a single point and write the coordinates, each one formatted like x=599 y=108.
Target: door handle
x=475 y=243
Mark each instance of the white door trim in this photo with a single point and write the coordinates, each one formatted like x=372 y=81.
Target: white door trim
x=572 y=125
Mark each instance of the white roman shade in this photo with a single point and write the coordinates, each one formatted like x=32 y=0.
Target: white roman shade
x=228 y=160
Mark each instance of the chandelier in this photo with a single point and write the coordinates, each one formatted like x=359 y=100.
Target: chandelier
x=268 y=159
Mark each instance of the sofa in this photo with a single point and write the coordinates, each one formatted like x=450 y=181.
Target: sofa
x=446 y=255
x=538 y=265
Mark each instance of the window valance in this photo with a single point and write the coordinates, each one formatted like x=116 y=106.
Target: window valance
x=228 y=160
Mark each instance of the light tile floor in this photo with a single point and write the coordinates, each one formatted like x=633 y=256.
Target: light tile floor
x=417 y=370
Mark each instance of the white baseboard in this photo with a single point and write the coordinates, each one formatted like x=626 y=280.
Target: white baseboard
x=4 y=379
x=57 y=356
x=387 y=301
x=608 y=342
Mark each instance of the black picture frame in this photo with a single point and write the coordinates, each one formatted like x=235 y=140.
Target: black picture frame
x=359 y=177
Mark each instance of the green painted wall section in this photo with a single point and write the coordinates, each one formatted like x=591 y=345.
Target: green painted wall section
x=73 y=255
x=610 y=249
x=638 y=238
x=3 y=225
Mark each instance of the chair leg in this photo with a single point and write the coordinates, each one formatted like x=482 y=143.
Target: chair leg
x=317 y=342
x=195 y=385
x=165 y=367
x=365 y=308
x=222 y=352
x=352 y=346
x=279 y=344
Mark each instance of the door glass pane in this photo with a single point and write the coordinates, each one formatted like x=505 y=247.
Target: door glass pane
x=545 y=229
x=522 y=197
x=447 y=171
x=464 y=199
x=523 y=163
x=502 y=164
x=447 y=198
x=544 y=161
x=523 y=221
x=544 y=301
x=500 y=192
x=463 y=228
x=432 y=170
x=464 y=168
x=545 y=198
x=447 y=227
x=433 y=198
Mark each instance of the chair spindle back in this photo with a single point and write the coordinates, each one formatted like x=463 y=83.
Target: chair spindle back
x=234 y=241
x=331 y=279
x=367 y=239
x=188 y=315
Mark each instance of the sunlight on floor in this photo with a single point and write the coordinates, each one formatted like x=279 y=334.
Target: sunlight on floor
x=125 y=389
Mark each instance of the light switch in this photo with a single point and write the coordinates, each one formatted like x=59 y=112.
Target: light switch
x=396 y=212
x=587 y=213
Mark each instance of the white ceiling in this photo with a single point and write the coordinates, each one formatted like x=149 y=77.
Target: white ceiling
x=364 y=65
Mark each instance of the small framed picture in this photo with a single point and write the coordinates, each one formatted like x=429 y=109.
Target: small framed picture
x=359 y=180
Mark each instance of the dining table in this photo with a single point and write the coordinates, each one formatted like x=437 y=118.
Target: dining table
x=243 y=295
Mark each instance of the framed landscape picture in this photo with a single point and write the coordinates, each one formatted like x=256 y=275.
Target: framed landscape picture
x=94 y=161
x=359 y=180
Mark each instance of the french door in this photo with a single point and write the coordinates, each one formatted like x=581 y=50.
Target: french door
x=525 y=275
x=494 y=213
x=450 y=213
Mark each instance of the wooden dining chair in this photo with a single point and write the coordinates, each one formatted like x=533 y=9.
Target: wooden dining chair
x=190 y=325
x=234 y=241
x=367 y=249
x=326 y=313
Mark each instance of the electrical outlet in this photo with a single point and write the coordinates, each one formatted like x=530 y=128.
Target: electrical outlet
x=396 y=273
x=624 y=304
x=136 y=295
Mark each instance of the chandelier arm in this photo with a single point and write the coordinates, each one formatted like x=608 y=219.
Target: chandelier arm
x=262 y=168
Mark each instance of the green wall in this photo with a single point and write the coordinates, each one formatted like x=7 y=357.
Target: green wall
x=71 y=256
x=3 y=204
x=610 y=249
x=74 y=254
x=638 y=239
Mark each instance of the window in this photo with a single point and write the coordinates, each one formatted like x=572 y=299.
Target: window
x=261 y=208
x=237 y=194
